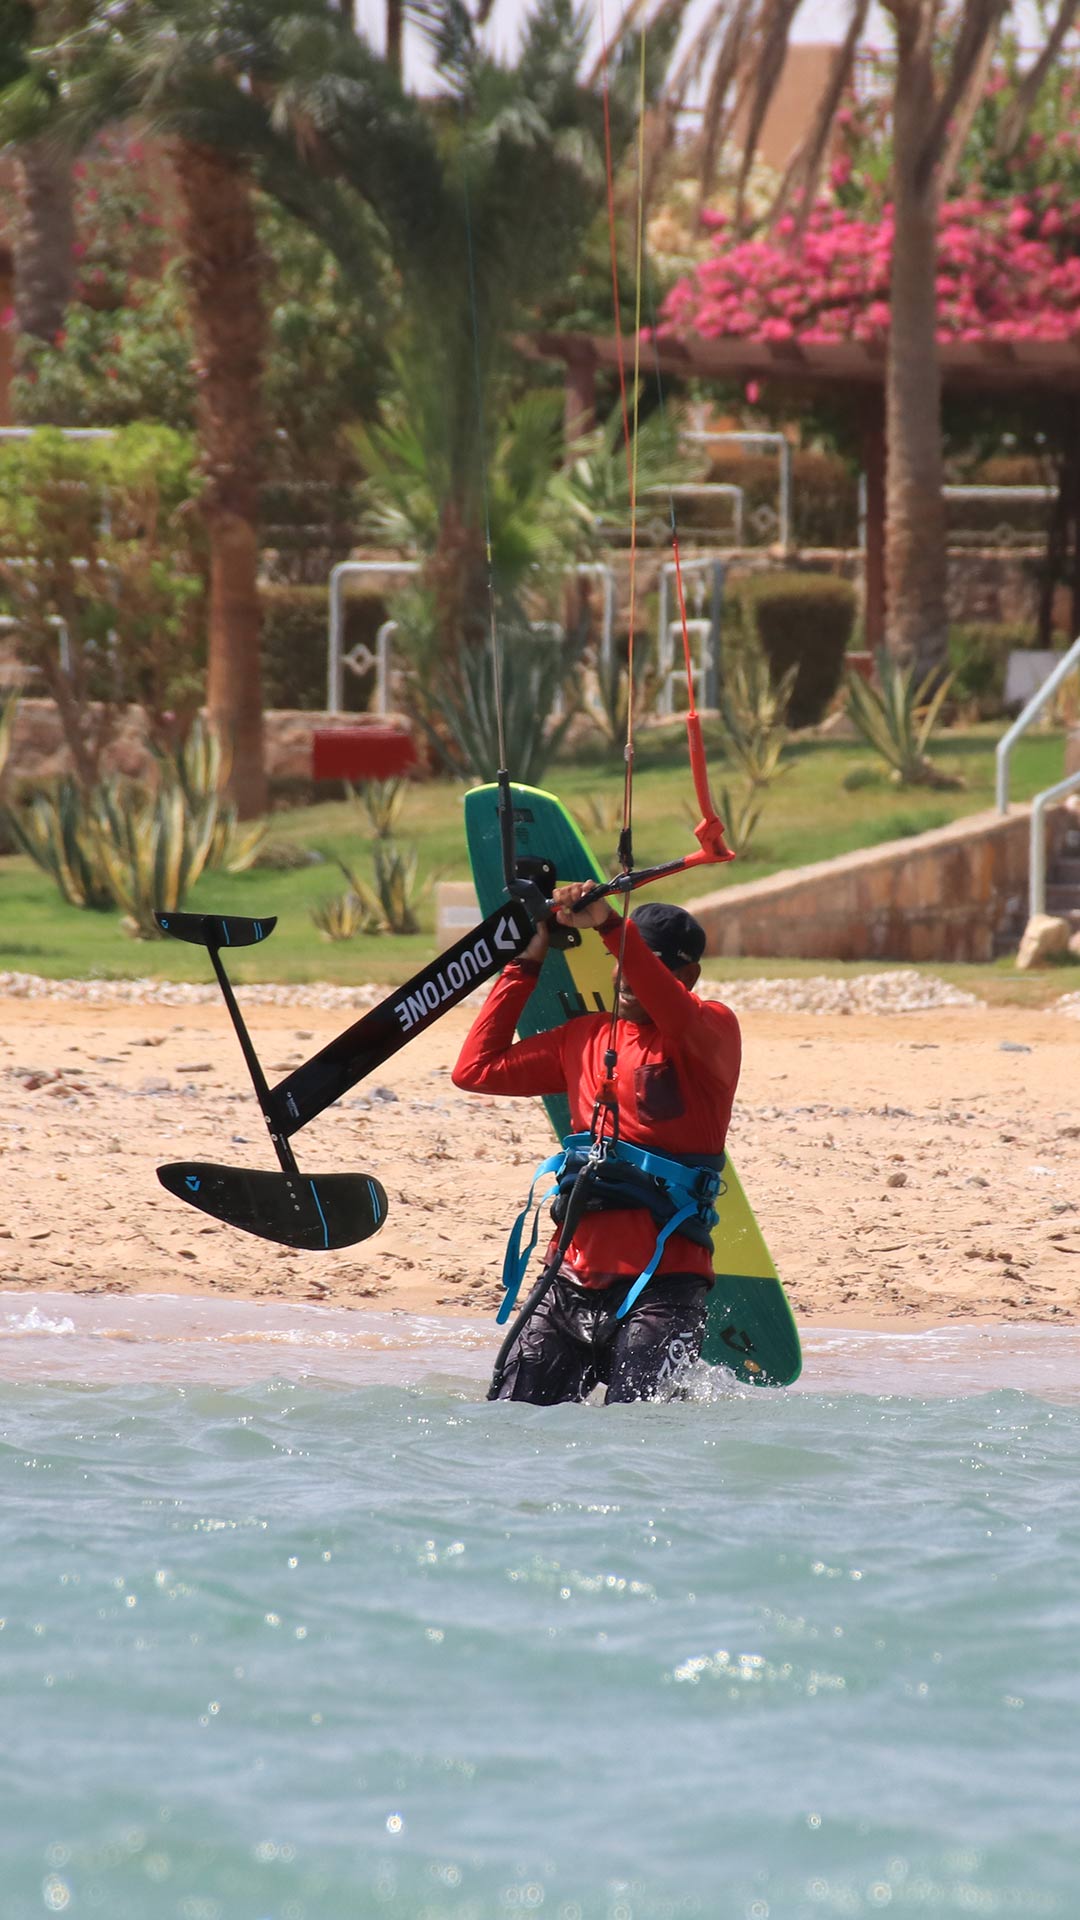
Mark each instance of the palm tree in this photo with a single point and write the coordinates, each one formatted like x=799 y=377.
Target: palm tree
x=45 y=225
x=221 y=244
x=179 y=67
x=482 y=200
x=942 y=57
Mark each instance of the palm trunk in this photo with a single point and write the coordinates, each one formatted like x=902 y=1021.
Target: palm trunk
x=218 y=215
x=395 y=19
x=44 y=248
x=915 y=557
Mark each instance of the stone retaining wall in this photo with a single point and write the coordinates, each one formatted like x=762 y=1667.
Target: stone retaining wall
x=938 y=896
x=38 y=751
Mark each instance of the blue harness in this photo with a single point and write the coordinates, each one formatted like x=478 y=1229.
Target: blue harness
x=679 y=1193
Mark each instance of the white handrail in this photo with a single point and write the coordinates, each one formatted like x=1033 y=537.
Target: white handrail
x=66 y=433
x=782 y=444
x=1037 y=859
x=1020 y=725
x=338 y=576
x=361 y=657
x=668 y=630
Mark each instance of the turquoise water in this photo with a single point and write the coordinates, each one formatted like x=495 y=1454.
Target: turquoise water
x=356 y=1643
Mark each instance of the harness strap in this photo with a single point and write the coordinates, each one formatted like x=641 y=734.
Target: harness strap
x=691 y=1188
x=646 y=1274
x=514 y=1260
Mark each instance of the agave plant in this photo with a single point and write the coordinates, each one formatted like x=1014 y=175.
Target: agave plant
x=753 y=718
x=150 y=848
x=740 y=813
x=395 y=884
x=535 y=669
x=200 y=767
x=382 y=801
x=344 y=916
x=365 y=897
x=897 y=719
x=54 y=829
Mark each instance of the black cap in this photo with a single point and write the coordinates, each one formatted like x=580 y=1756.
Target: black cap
x=672 y=934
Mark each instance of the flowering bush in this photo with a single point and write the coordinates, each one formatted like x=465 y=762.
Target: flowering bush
x=1008 y=269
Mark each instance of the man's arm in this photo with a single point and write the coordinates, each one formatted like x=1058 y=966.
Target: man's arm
x=710 y=1031
x=678 y=1014
x=492 y=1061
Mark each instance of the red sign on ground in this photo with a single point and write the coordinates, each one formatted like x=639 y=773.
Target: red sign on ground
x=361 y=753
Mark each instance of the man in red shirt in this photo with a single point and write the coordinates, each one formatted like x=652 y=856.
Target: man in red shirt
x=677 y=1067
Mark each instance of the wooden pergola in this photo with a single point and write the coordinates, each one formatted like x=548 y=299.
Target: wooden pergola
x=849 y=371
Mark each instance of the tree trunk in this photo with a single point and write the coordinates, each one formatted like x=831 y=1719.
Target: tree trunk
x=45 y=243
x=395 y=19
x=1071 y=487
x=915 y=563
x=221 y=243
x=875 y=461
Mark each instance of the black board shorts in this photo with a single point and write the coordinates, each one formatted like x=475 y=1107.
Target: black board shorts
x=574 y=1341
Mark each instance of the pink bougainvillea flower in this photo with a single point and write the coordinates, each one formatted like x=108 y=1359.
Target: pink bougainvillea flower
x=1001 y=275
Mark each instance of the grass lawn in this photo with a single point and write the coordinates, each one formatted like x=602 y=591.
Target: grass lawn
x=810 y=816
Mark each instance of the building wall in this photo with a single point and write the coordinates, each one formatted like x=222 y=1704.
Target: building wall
x=799 y=90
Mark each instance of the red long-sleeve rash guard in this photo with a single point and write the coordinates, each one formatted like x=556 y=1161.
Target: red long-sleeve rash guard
x=675 y=1080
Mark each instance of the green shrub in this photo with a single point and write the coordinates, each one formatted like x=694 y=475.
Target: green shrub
x=804 y=620
x=979 y=657
x=295 y=644
x=98 y=541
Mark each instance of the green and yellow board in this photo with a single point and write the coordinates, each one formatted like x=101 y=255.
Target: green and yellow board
x=750 y=1327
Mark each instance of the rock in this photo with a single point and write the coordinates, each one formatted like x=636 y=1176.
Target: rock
x=1045 y=937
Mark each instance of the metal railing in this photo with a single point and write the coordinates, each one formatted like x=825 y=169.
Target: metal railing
x=362 y=657
x=66 y=433
x=703 y=437
x=1037 y=851
x=1023 y=720
x=669 y=632
x=1021 y=493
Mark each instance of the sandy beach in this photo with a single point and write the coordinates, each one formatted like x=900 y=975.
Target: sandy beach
x=921 y=1169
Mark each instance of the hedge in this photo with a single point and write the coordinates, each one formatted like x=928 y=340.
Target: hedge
x=979 y=658
x=295 y=629
x=824 y=497
x=805 y=619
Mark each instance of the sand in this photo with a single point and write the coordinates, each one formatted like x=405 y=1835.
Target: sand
x=919 y=1170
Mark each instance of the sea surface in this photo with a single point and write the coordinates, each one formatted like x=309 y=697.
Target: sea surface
x=297 y=1626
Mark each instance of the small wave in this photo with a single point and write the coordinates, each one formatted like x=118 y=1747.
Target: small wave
x=35 y=1322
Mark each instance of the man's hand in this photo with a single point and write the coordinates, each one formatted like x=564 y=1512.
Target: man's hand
x=538 y=945
x=565 y=899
